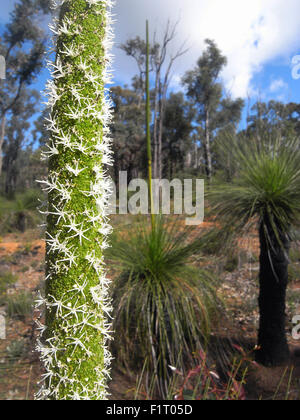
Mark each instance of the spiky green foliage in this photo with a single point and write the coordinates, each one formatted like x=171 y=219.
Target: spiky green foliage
x=20 y=212
x=163 y=304
x=267 y=185
x=74 y=343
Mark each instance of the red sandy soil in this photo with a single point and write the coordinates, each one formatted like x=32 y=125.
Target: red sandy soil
x=23 y=255
x=8 y=248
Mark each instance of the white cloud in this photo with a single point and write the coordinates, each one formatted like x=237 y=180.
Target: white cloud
x=249 y=32
x=277 y=85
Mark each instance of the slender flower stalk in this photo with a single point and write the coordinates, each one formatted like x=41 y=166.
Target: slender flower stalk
x=73 y=344
x=148 y=132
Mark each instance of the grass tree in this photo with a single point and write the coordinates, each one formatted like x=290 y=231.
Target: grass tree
x=164 y=305
x=267 y=191
x=73 y=344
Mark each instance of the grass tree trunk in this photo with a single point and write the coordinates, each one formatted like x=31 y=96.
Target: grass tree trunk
x=74 y=343
x=272 y=341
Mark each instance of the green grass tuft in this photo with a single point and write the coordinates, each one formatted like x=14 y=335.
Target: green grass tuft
x=19 y=305
x=163 y=305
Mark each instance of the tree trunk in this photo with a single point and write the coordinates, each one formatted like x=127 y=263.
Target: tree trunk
x=159 y=158
x=10 y=181
x=2 y=134
x=188 y=160
x=11 y=170
x=163 y=95
x=196 y=154
x=207 y=153
x=21 y=221
x=273 y=347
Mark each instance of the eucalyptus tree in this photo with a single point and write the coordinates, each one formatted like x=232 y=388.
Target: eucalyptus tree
x=161 y=65
x=178 y=126
x=74 y=343
x=128 y=132
x=16 y=137
x=23 y=46
x=271 y=117
x=204 y=88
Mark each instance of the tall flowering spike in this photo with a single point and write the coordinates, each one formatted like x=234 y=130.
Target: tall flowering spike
x=73 y=343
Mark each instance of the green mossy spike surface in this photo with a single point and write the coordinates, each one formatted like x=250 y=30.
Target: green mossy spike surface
x=74 y=344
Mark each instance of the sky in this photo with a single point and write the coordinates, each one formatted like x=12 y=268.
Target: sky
x=260 y=39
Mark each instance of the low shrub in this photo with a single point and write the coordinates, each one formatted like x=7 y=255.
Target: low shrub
x=15 y=350
x=6 y=280
x=204 y=383
x=20 y=305
x=20 y=212
x=231 y=263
